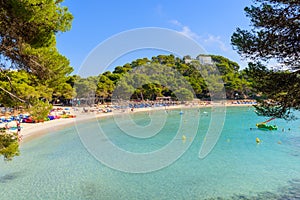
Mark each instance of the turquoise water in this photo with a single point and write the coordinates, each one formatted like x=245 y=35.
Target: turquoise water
x=57 y=165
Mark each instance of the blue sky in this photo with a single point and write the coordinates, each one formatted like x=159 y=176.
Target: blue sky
x=210 y=23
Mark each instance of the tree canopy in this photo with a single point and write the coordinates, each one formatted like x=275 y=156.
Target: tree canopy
x=156 y=83
x=275 y=32
x=31 y=67
x=275 y=35
x=28 y=41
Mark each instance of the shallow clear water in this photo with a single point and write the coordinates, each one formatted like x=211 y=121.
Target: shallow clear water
x=57 y=165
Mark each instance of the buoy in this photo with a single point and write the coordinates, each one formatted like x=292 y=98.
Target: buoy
x=183 y=137
x=181 y=113
x=257 y=140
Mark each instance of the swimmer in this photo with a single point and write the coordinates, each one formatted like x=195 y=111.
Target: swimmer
x=257 y=140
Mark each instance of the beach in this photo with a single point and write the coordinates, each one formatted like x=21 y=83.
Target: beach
x=32 y=130
x=55 y=163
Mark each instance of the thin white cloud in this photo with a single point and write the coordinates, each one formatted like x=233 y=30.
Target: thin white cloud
x=210 y=40
x=185 y=30
x=159 y=10
x=176 y=23
x=216 y=40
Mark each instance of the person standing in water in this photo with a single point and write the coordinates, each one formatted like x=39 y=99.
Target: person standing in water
x=6 y=126
x=19 y=130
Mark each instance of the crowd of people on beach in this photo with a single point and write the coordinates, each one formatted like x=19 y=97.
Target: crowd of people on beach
x=12 y=123
x=251 y=102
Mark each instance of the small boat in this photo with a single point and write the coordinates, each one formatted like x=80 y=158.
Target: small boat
x=264 y=126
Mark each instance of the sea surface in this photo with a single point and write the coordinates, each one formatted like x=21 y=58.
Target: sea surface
x=60 y=166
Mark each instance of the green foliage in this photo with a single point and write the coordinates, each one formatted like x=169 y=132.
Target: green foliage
x=275 y=35
x=9 y=146
x=105 y=87
x=183 y=94
x=85 y=87
x=151 y=91
x=27 y=43
x=155 y=81
x=28 y=31
x=40 y=110
x=279 y=91
x=20 y=84
x=64 y=90
x=29 y=89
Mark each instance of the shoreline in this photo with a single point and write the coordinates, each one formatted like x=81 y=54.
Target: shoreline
x=31 y=131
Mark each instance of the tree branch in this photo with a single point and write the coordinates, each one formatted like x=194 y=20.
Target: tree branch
x=12 y=95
